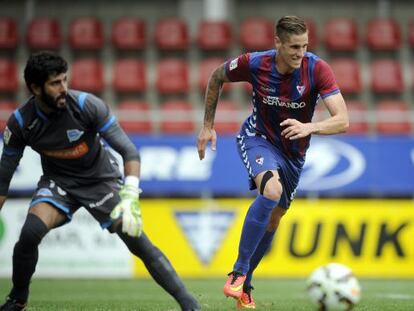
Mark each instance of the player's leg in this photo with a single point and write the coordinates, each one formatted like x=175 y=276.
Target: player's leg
x=41 y=218
x=160 y=269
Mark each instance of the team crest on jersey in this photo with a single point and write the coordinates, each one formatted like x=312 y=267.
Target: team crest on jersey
x=6 y=135
x=233 y=64
x=74 y=134
x=301 y=89
x=259 y=160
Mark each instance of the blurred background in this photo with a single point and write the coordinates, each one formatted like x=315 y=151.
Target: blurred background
x=151 y=60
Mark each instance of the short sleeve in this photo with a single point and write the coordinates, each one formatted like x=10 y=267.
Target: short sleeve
x=325 y=79
x=238 y=69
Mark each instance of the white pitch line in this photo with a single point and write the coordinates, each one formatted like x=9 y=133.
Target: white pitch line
x=396 y=296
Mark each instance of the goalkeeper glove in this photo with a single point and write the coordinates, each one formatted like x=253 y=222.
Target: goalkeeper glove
x=129 y=209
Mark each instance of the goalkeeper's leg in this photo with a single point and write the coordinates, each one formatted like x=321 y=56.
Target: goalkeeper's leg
x=160 y=269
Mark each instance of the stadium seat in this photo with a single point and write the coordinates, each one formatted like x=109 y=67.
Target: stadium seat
x=214 y=35
x=177 y=117
x=341 y=34
x=227 y=121
x=312 y=34
x=134 y=117
x=129 y=33
x=386 y=76
x=207 y=66
x=393 y=118
x=383 y=34
x=257 y=33
x=358 y=117
x=87 y=75
x=172 y=76
x=129 y=76
x=6 y=109
x=171 y=34
x=8 y=75
x=411 y=34
x=8 y=33
x=86 y=33
x=43 y=33
x=347 y=74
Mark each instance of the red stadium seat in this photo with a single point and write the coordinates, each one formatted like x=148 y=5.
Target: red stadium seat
x=87 y=75
x=386 y=76
x=177 y=117
x=207 y=66
x=129 y=76
x=172 y=76
x=383 y=34
x=227 y=119
x=8 y=33
x=358 y=118
x=6 y=109
x=341 y=34
x=214 y=35
x=8 y=75
x=44 y=33
x=312 y=34
x=411 y=34
x=347 y=75
x=86 y=33
x=257 y=34
x=129 y=33
x=393 y=118
x=171 y=34
x=134 y=117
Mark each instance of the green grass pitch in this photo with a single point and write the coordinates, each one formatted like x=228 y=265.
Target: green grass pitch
x=138 y=294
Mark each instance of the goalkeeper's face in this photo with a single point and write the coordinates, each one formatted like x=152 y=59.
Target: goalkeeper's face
x=54 y=92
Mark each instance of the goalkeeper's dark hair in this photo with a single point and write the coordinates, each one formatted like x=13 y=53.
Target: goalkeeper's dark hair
x=41 y=65
x=289 y=25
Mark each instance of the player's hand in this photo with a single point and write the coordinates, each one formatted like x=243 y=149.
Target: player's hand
x=129 y=210
x=296 y=129
x=206 y=135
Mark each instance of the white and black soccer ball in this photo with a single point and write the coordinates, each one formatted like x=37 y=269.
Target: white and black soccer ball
x=334 y=287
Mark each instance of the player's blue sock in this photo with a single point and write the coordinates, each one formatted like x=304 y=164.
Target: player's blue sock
x=254 y=228
x=261 y=250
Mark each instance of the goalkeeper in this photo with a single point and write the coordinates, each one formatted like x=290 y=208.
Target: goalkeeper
x=66 y=128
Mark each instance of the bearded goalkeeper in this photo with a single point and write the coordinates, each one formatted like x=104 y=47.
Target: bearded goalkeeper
x=66 y=128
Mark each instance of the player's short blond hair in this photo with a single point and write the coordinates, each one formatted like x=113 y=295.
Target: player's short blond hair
x=289 y=25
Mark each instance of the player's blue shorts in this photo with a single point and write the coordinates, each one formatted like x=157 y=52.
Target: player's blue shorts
x=259 y=155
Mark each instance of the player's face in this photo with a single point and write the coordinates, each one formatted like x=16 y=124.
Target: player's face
x=54 y=92
x=291 y=52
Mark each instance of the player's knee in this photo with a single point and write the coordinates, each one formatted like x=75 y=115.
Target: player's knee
x=33 y=231
x=272 y=189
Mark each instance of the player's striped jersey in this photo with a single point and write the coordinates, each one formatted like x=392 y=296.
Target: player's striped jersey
x=277 y=97
x=68 y=141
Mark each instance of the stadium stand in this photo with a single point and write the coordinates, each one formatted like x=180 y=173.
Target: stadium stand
x=87 y=75
x=129 y=75
x=172 y=76
x=214 y=35
x=347 y=74
x=8 y=75
x=383 y=34
x=411 y=34
x=206 y=67
x=227 y=118
x=312 y=34
x=171 y=34
x=129 y=33
x=86 y=33
x=6 y=109
x=392 y=118
x=44 y=33
x=341 y=34
x=358 y=113
x=9 y=36
x=177 y=117
x=386 y=76
x=256 y=33
x=134 y=117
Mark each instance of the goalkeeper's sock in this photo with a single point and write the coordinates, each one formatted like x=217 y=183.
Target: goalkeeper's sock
x=160 y=269
x=261 y=250
x=254 y=228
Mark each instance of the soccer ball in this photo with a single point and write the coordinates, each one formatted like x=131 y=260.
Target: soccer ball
x=334 y=287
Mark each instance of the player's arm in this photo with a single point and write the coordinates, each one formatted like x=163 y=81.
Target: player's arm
x=207 y=133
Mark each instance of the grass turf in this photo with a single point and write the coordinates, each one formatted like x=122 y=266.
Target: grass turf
x=270 y=294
